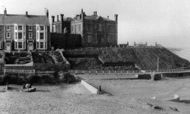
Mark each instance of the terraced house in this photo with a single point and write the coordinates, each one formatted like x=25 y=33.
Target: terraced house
x=24 y=32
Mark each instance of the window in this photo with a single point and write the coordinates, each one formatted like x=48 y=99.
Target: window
x=99 y=27
x=8 y=35
x=19 y=27
x=16 y=35
x=15 y=45
x=54 y=28
x=41 y=45
x=42 y=28
x=20 y=35
x=30 y=28
x=41 y=36
x=20 y=45
x=89 y=39
x=75 y=28
x=8 y=27
x=37 y=44
x=30 y=35
x=79 y=28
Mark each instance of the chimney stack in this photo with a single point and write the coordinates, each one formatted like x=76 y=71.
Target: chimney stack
x=47 y=13
x=82 y=14
x=53 y=19
x=5 y=11
x=116 y=17
x=95 y=13
x=62 y=17
x=57 y=18
x=27 y=13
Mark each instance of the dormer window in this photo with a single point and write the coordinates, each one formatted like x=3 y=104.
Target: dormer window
x=30 y=28
x=8 y=28
x=19 y=27
x=20 y=35
x=41 y=28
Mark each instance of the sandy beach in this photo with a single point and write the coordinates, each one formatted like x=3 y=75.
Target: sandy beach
x=128 y=97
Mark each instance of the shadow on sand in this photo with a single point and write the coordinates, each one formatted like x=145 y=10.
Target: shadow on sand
x=181 y=101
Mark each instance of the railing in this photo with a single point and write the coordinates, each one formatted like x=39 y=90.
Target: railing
x=104 y=72
x=26 y=71
x=129 y=71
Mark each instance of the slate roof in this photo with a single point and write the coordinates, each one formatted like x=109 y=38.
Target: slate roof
x=23 y=19
x=93 y=17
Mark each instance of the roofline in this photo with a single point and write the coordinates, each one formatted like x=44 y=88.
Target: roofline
x=22 y=15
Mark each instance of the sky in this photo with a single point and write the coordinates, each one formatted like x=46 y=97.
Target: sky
x=166 y=22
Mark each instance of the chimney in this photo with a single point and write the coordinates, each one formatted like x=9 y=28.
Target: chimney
x=57 y=18
x=47 y=13
x=82 y=14
x=116 y=17
x=27 y=13
x=5 y=11
x=95 y=13
x=53 y=19
x=108 y=17
x=62 y=17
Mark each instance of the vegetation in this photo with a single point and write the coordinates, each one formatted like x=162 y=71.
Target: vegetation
x=144 y=57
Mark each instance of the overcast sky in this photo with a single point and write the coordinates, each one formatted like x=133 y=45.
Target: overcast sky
x=164 y=21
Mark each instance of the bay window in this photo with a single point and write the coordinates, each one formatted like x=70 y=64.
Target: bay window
x=41 y=45
x=20 y=46
x=41 y=36
x=19 y=35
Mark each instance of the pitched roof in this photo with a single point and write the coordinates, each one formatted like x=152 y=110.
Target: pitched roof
x=23 y=19
x=93 y=17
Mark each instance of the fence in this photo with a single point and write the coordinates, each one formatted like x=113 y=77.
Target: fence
x=129 y=71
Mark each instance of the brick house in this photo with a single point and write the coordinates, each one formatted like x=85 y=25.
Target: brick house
x=95 y=30
x=24 y=32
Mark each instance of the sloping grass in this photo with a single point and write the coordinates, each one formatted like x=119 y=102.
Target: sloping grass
x=144 y=57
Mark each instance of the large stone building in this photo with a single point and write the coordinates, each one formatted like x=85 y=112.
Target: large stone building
x=95 y=30
x=24 y=32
